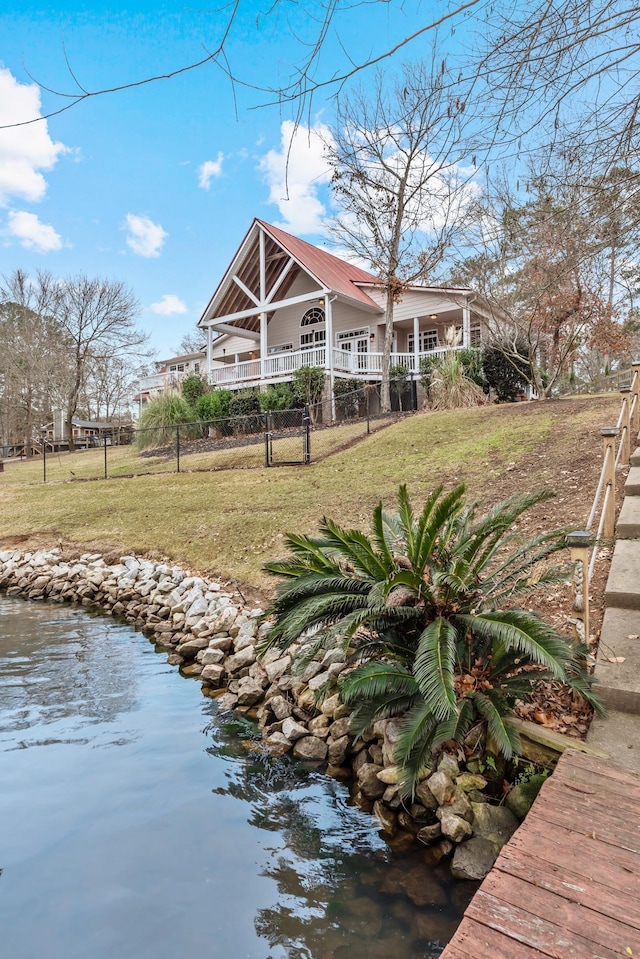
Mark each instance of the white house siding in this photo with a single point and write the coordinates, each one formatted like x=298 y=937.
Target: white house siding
x=232 y=345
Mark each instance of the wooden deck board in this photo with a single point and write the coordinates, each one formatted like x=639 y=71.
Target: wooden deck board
x=567 y=885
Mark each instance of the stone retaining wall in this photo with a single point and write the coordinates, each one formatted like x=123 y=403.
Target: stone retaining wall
x=213 y=636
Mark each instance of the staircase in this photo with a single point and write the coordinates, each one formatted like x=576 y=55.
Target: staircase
x=617 y=670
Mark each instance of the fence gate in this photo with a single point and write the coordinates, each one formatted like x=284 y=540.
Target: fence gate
x=287 y=436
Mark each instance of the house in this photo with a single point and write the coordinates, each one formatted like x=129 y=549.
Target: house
x=169 y=375
x=284 y=303
x=85 y=432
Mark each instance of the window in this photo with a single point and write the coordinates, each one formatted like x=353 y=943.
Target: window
x=279 y=349
x=176 y=368
x=309 y=341
x=352 y=334
x=475 y=336
x=428 y=340
x=196 y=367
x=312 y=316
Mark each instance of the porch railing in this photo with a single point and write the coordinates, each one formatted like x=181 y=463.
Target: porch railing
x=345 y=362
x=160 y=381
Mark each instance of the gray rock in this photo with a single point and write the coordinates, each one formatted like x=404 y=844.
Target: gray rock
x=249 y=691
x=212 y=674
x=340 y=728
x=280 y=707
x=368 y=780
x=211 y=656
x=386 y=817
x=429 y=834
x=316 y=682
x=460 y=805
x=425 y=796
x=474 y=858
x=246 y=657
x=448 y=765
x=521 y=797
x=495 y=823
x=277 y=668
x=338 y=749
x=293 y=730
x=311 y=749
x=454 y=827
x=441 y=786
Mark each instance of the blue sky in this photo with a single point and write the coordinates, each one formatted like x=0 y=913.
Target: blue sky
x=156 y=186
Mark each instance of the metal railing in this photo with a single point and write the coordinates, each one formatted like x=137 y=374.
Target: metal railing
x=585 y=544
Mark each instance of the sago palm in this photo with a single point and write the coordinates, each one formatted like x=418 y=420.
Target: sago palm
x=420 y=604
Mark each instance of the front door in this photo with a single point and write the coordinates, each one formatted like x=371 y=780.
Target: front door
x=356 y=341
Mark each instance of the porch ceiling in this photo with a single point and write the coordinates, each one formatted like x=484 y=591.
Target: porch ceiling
x=235 y=300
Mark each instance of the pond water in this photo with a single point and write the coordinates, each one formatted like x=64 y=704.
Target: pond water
x=137 y=823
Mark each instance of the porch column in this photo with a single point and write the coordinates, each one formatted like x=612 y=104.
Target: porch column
x=416 y=344
x=263 y=343
x=209 y=351
x=466 y=326
x=328 y=318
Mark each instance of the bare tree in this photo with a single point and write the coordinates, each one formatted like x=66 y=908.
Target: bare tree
x=396 y=173
x=32 y=364
x=543 y=266
x=98 y=320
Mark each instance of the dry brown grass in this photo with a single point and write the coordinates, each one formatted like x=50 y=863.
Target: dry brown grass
x=228 y=523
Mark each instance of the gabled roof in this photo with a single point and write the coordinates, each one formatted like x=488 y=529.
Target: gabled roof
x=328 y=271
x=331 y=271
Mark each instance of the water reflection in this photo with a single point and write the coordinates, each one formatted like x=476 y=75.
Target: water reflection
x=61 y=666
x=133 y=832
x=343 y=892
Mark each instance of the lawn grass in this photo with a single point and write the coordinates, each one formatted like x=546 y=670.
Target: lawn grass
x=229 y=523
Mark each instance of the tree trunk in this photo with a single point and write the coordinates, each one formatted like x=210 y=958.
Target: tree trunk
x=385 y=392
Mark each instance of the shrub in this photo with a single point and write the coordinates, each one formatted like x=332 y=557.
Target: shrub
x=214 y=405
x=157 y=425
x=244 y=409
x=308 y=384
x=277 y=397
x=193 y=387
x=349 y=397
x=398 y=381
x=506 y=371
x=421 y=604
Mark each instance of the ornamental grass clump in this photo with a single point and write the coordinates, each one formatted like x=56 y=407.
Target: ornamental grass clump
x=425 y=606
x=157 y=425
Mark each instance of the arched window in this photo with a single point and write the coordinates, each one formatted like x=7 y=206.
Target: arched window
x=314 y=315
x=314 y=338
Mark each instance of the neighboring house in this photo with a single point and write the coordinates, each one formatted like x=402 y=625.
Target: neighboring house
x=284 y=303
x=85 y=432
x=169 y=375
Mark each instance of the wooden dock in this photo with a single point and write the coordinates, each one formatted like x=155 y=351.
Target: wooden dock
x=567 y=885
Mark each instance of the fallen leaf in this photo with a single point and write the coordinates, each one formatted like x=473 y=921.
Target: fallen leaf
x=615 y=659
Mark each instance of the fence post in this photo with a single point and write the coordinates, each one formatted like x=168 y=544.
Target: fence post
x=266 y=440
x=307 y=436
x=579 y=543
x=625 y=439
x=104 y=440
x=609 y=434
x=178 y=447
x=635 y=390
x=44 y=461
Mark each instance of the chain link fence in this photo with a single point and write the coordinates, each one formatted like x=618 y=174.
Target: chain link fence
x=269 y=439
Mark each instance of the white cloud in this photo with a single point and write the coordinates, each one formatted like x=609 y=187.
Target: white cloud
x=25 y=150
x=145 y=237
x=31 y=233
x=168 y=305
x=209 y=170
x=295 y=174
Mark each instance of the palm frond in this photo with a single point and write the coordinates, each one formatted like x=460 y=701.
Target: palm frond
x=434 y=667
x=456 y=726
x=504 y=736
x=517 y=629
x=413 y=749
x=374 y=679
